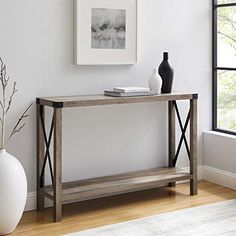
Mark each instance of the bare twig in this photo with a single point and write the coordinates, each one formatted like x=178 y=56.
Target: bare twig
x=20 y=128
x=5 y=106
x=3 y=73
x=3 y=102
x=17 y=127
x=14 y=91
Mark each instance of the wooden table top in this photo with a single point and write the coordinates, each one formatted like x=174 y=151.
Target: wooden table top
x=99 y=100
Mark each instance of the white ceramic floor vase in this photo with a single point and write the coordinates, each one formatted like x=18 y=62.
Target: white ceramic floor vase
x=155 y=82
x=13 y=191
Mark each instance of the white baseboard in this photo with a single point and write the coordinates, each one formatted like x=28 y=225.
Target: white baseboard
x=31 y=202
x=219 y=177
x=199 y=173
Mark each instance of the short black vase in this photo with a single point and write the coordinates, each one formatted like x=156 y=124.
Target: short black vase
x=167 y=74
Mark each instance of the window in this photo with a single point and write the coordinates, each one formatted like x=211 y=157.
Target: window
x=224 y=65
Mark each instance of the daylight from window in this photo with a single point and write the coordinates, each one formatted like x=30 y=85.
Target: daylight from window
x=226 y=60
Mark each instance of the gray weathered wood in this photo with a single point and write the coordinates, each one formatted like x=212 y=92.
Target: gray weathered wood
x=96 y=100
x=40 y=157
x=118 y=184
x=193 y=146
x=171 y=135
x=111 y=185
x=57 y=193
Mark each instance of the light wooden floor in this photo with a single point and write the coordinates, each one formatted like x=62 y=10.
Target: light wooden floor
x=81 y=216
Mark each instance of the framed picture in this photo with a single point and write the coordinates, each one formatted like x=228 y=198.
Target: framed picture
x=105 y=32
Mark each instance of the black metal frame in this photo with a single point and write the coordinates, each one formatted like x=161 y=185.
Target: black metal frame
x=47 y=153
x=183 y=135
x=183 y=129
x=215 y=6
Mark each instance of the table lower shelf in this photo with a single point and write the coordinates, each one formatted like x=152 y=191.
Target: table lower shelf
x=118 y=184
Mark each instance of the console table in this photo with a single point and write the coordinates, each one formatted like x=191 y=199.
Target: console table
x=62 y=193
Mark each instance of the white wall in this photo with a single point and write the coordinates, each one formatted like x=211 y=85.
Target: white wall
x=219 y=159
x=36 y=42
x=219 y=151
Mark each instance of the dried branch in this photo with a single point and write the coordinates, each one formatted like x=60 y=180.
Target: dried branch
x=17 y=127
x=1 y=104
x=20 y=128
x=3 y=79
x=14 y=91
x=5 y=106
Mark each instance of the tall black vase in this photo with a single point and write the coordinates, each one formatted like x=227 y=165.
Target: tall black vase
x=167 y=74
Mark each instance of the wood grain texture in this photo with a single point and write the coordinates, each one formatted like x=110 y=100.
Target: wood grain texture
x=216 y=219
x=57 y=188
x=121 y=208
x=96 y=100
x=118 y=184
x=40 y=157
x=112 y=185
x=193 y=146
x=171 y=135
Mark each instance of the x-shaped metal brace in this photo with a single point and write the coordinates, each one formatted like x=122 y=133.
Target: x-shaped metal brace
x=183 y=135
x=47 y=154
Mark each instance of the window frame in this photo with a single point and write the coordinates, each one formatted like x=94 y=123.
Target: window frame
x=215 y=68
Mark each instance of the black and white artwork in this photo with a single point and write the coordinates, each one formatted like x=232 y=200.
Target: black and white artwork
x=108 y=29
x=106 y=32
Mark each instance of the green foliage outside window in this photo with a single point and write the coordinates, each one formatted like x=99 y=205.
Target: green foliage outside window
x=226 y=99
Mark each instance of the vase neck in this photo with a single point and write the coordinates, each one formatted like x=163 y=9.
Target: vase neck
x=155 y=70
x=165 y=56
x=3 y=151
